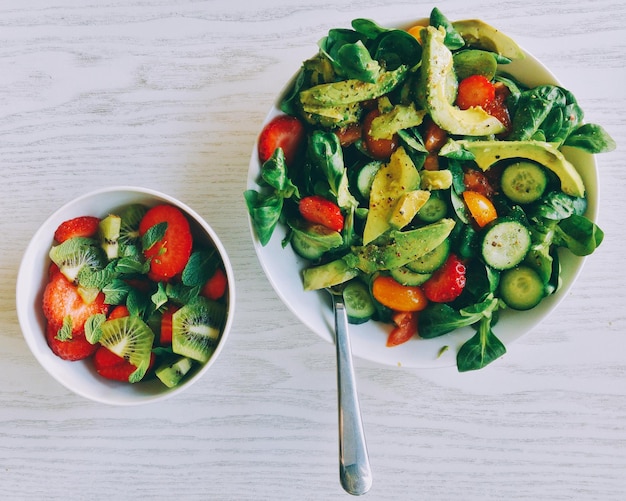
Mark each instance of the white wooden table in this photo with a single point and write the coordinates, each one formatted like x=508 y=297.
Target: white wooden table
x=170 y=95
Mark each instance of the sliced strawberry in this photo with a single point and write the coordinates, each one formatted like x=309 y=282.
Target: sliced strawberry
x=317 y=209
x=215 y=287
x=405 y=329
x=446 y=283
x=53 y=269
x=75 y=348
x=283 y=131
x=61 y=298
x=111 y=366
x=165 y=336
x=82 y=226
x=170 y=254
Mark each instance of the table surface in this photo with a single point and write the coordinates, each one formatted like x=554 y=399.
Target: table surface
x=170 y=95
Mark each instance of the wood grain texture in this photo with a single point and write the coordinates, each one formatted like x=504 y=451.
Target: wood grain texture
x=170 y=95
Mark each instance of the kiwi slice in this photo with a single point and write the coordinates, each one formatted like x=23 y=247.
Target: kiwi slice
x=129 y=338
x=196 y=328
x=131 y=216
x=171 y=373
x=78 y=256
x=109 y=232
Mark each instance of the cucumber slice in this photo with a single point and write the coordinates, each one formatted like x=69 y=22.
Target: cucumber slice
x=432 y=260
x=305 y=247
x=521 y=288
x=523 y=182
x=365 y=178
x=358 y=302
x=433 y=210
x=407 y=277
x=505 y=243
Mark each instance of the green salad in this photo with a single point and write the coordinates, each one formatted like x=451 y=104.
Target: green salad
x=431 y=185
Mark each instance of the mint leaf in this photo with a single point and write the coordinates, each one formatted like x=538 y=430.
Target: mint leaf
x=116 y=291
x=153 y=235
x=65 y=332
x=200 y=267
x=92 y=327
x=159 y=298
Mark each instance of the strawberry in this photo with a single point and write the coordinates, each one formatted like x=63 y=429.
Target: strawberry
x=61 y=298
x=170 y=254
x=283 y=131
x=215 y=287
x=82 y=226
x=165 y=336
x=447 y=282
x=475 y=90
x=111 y=366
x=317 y=209
x=75 y=348
x=118 y=312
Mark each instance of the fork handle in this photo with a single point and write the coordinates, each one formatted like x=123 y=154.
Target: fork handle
x=354 y=465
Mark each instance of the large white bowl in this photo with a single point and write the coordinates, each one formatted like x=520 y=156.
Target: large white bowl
x=80 y=376
x=283 y=269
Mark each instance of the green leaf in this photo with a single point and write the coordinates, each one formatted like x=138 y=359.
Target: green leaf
x=264 y=213
x=580 y=235
x=92 y=327
x=116 y=291
x=65 y=332
x=159 y=298
x=591 y=138
x=200 y=267
x=153 y=235
x=481 y=349
x=453 y=39
x=132 y=264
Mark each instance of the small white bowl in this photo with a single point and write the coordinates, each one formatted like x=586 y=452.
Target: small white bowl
x=80 y=377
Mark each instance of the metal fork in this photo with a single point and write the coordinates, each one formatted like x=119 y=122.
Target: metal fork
x=355 y=473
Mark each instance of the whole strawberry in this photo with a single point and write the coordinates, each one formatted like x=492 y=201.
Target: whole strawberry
x=447 y=282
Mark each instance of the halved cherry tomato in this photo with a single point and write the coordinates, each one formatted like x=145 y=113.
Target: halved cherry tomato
x=475 y=90
x=349 y=134
x=405 y=329
x=480 y=207
x=416 y=31
x=380 y=149
x=398 y=297
x=497 y=108
x=475 y=180
x=317 y=209
x=434 y=136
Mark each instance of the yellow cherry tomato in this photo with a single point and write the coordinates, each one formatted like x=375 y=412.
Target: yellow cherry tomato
x=480 y=207
x=392 y=294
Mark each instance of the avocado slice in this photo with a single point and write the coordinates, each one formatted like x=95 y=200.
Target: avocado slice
x=346 y=92
x=403 y=247
x=329 y=274
x=477 y=33
x=434 y=91
x=487 y=153
x=391 y=182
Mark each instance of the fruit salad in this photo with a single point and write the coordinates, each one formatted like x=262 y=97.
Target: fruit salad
x=135 y=294
x=413 y=170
